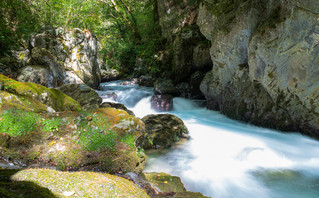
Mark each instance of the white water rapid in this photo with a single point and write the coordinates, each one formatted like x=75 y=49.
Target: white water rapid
x=227 y=158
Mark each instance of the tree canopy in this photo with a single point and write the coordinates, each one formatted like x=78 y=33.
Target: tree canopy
x=125 y=28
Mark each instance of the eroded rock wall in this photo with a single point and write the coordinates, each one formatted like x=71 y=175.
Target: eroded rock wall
x=187 y=50
x=265 y=56
x=61 y=56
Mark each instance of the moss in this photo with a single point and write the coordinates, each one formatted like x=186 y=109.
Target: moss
x=79 y=184
x=36 y=94
x=15 y=122
x=168 y=183
x=72 y=140
x=15 y=189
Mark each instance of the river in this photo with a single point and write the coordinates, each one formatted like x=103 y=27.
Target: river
x=226 y=158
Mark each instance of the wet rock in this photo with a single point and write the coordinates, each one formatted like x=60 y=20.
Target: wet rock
x=165 y=86
x=170 y=186
x=184 y=89
x=116 y=106
x=83 y=94
x=109 y=75
x=162 y=102
x=111 y=96
x=264 y=63
x=146 y=81
x=162 y=131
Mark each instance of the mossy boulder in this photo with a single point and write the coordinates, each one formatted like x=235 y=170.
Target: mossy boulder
x=76 y=51
x=162 y=130
x=117 y=106
x=43 y=183
x=100 y=140
x=45 y=63
x=83 y=94
x=171 y=185
x=33 y=97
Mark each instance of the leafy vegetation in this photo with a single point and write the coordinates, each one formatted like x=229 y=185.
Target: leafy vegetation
x=15 y=122
x=126 y=29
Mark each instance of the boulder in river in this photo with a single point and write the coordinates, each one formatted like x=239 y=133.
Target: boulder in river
x=162 y=102
x=162 y=130
x=170 y=186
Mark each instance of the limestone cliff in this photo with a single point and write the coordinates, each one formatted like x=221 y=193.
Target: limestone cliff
x=265 y=56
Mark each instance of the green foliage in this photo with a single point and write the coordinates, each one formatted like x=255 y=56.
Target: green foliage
x=95 y=133
x=16 y=122
x=51 y=124
x=129 y=140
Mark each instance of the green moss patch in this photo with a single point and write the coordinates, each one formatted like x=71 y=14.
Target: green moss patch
x=101 y=139
x=51 y=183
x=33 y=97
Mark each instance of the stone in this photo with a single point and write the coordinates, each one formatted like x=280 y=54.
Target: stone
x=101 y=139
x=162 y=131
x=170 y=186
x=74 y=50
x=39 y=75
x=83 y=94
x=162 y=102
x=109 y=75
x=33 y=97
x=116 y=106
x=265 y=62
x=165 y=86
x=112 y=96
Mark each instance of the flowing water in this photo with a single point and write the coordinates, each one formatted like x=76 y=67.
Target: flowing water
x=227 y=158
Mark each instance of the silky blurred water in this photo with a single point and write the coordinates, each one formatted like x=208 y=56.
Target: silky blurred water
x=227 y=158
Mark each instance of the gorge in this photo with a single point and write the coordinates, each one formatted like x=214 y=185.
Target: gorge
x=227 y=68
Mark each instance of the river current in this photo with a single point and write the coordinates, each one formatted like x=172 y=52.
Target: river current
x=226 y=158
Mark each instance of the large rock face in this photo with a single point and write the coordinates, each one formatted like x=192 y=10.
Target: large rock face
x=265 y=56
x=67 y=56
x=187 y=49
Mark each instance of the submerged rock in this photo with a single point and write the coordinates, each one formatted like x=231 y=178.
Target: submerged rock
x=162 y=130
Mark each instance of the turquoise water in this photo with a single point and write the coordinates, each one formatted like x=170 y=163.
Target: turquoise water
x=227 y=158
